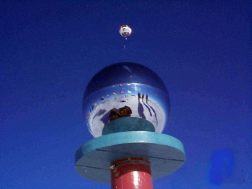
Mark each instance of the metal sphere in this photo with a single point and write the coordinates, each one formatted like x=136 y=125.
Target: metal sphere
x=125 y=90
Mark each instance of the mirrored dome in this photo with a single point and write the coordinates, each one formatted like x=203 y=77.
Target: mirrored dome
x=125 y=90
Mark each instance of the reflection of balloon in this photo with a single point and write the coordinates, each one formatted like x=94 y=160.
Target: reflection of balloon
x=125 y=31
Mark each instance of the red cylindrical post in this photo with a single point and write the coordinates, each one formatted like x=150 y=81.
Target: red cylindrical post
x=131 y=173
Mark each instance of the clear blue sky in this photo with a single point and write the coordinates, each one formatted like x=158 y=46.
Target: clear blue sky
x=50 y=49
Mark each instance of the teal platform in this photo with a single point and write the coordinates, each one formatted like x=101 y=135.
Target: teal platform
x=126 y=124
x=93 y=159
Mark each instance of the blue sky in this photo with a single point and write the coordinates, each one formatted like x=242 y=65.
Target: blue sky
x=49 y=50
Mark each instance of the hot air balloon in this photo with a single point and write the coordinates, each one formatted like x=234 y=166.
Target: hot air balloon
x=125 y=31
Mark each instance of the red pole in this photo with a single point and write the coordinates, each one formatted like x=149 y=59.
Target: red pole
x=131 y=173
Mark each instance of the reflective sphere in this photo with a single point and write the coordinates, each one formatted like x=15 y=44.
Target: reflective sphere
x=125 y=90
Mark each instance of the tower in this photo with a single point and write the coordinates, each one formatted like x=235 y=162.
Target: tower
x=126 y=107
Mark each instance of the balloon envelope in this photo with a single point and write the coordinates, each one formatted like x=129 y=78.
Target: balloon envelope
x=125 y=31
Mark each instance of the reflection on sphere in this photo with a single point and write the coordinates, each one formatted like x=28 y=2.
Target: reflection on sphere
x=125 y=90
